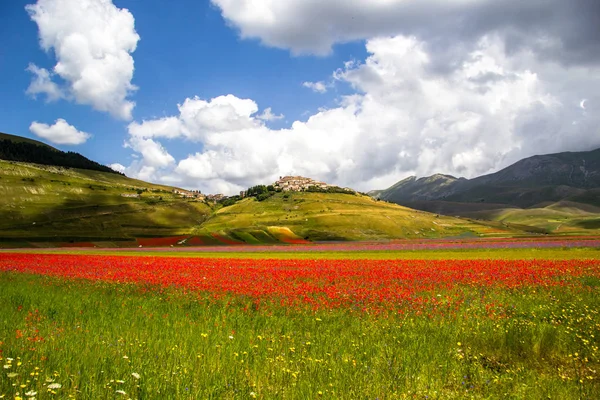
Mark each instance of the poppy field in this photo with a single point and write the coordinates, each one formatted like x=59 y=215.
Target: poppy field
x=119 y=326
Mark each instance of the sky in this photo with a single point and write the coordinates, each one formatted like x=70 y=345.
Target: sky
x=221 y=95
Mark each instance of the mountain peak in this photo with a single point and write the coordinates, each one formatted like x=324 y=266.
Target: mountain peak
x=533 y=180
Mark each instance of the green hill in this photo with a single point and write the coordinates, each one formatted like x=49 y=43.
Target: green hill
x=58 y=203
x=53 y=204
x=563 y=217
x=47 y=203
x=20 y=139
x=332 y=216
x=17 y=148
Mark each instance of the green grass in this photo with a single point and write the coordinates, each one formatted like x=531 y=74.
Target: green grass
x=98 y=338
x=42 y=203
x=566 y=218
x=47 y=204
x=319 y=216
x=462 y=254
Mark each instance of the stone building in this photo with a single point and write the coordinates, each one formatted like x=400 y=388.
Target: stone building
x=298 y=183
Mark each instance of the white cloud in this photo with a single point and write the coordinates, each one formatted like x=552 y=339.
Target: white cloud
x=153 y=153
x=268 y=115
x=166 y=127
x=42 y=84
x=118 y=167
x=59 y=133
x=319 y=87
x=404 y=119
x=558 y=29
x=92 y=41
x=200 y=120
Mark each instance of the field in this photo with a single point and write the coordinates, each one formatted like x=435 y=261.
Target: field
x=437 y=324
x=563 y=217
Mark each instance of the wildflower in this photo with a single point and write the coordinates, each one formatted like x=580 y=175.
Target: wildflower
x=31 y=393
x=54 y=386
x=135 y=375
x=7 y=366
x=253 y=395
x=121 y=392
x=230 y=337
x=12 y=375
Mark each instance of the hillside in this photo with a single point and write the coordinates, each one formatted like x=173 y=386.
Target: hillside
x=331 y=216
x=539 y=183
x=17 y=148
x=21 y=139
x=45 y=203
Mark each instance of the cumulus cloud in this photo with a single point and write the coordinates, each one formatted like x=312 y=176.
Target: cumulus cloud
x=403 y=119
x=153 y=153
x=557 y=29
x=92 y=41
x=319 y=87
x=59 y=133
x=42 y=84
x=118 y=167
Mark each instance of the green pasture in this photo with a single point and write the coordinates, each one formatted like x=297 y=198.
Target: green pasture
x=566 y=218
x=54 y=204
x=64 y=339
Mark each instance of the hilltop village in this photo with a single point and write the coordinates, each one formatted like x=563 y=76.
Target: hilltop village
x=284 y=184
x=298 y=184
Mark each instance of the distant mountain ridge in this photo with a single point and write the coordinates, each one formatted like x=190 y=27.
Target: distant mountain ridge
x=531 y=181
x=17 y=148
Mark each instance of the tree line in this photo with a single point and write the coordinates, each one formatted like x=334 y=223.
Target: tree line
x=32 y=153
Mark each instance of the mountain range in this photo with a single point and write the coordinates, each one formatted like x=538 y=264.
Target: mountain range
x=553 y=183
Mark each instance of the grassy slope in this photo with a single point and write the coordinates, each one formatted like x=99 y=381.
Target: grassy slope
x=48 y=204
x=320 y=216
x=39 y=202
x=563 y=217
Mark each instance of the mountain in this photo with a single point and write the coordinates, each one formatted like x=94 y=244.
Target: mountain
x=536 y=182
x=17 y=148
x=43 y=205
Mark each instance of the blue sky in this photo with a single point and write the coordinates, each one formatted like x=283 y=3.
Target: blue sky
x=186 y=49
x=402 y=90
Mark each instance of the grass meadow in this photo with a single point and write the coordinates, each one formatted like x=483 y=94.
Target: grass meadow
x=105 y=327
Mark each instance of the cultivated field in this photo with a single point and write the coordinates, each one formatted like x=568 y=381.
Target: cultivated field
x=437 y=324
